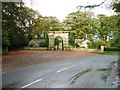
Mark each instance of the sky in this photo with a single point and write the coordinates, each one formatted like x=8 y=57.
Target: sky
x=61 y=8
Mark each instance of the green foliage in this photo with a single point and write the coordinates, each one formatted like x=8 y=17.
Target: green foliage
x=96 y=44
x=17 y=21
x=20 y=24
x=13 y=23
x=82 y=23
x=39 y=25
x=33 y=43
x=112 y=49
x=41 y=41
x=76 y=45
x=43 y=44
x=72 y=39
x=108 y=28
x=116 y=5
x=5 y=39
x=104 y=26
x=46 y=40
x=76 y=76
x=54 y=24
x=58 y=40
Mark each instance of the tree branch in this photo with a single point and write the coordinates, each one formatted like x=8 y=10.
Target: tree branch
x=90 y=6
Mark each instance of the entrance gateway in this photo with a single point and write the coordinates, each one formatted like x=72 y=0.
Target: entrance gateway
x=58 y=40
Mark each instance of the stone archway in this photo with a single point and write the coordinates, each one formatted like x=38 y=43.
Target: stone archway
x=64 y=37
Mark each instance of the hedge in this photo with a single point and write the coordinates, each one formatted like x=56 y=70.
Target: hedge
x=112 y=49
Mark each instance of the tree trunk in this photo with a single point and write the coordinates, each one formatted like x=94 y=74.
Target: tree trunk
x=5 y=50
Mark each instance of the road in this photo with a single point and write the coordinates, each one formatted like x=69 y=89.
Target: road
x=84 y=72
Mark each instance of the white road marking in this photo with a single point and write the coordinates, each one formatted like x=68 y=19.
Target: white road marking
x=32 y=83
x=65 y=68
x=42 y=78
x=84 y=62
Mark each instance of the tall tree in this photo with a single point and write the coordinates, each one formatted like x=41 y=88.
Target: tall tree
x=27 y=16
x=17 y=22
x=107 y=29
x=39 y=25
x=82 y=23
x=10 y=14
x=54 y=23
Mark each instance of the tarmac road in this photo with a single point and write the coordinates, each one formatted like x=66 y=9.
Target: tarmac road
x=85 y=72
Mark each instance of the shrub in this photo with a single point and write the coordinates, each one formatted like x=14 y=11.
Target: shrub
x=112 y=49
x=96 y=44
x=76 y=45
x=43 y=44
x=33 y=43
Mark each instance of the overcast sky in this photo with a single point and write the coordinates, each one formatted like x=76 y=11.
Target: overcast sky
x=61 y=8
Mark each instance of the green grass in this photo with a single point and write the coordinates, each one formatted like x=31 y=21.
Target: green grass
x=105 y=69
x=106 y=73
x=104 y=77
x=80 y=74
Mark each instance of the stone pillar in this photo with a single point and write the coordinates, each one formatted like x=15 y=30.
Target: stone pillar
x=102 y=49
x=51 y=40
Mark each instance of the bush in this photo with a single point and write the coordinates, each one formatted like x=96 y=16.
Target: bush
x=72 y=39
x=76 y=45
x=46 y=40
x=33 y=43
x=112 y=49
x=96 y=44
x=43 y=44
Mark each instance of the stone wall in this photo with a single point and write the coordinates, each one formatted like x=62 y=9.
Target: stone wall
x=84 y=49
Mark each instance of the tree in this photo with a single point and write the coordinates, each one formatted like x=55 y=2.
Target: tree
x=115 y=4
x=39 y=25
x=17 y=22
x=27 y=16
x=115 y=30
x=116 y=7
x=91 y=6
x=10 y=26
x=103 y=29
x=54 y=23
x=107 y=29
x=82 y=23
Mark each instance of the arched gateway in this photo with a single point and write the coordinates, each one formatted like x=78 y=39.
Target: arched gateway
x=58 y=40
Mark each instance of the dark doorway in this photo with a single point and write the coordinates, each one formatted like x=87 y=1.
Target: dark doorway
x=58 y=43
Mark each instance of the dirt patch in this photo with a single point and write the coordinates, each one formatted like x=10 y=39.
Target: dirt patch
x=19 y=58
